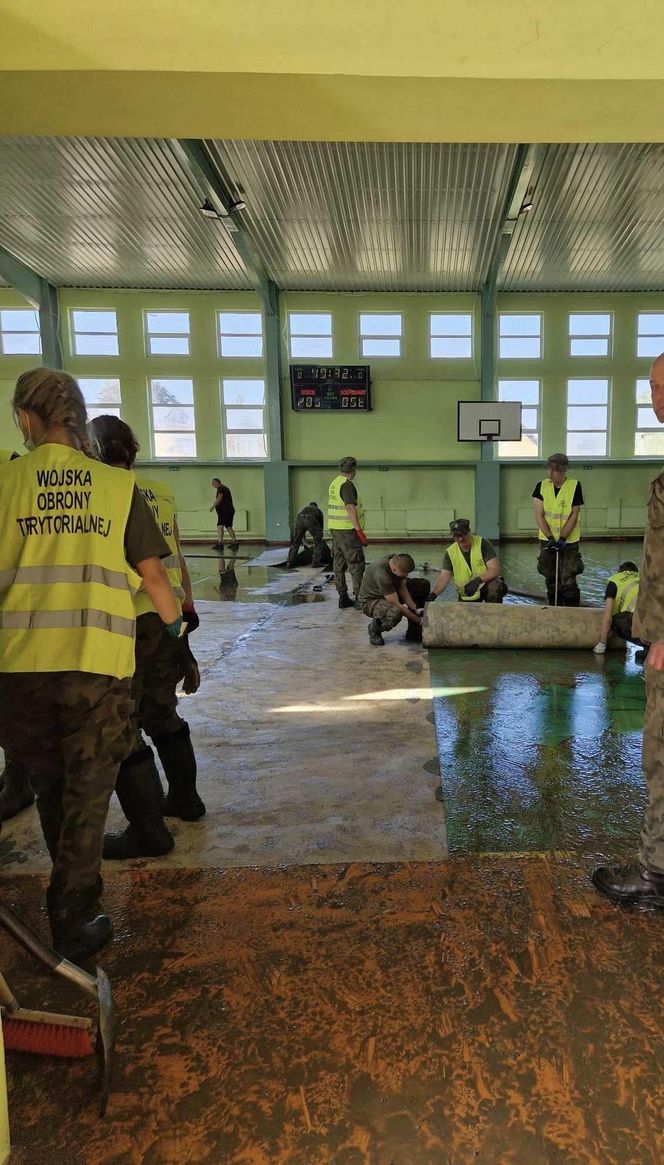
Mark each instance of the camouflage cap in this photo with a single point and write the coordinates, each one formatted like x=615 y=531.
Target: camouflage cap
x=460 y=526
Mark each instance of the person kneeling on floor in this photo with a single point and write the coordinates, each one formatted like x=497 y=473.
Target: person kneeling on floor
x=387 y=596
x=473 y=564
x=622 y=591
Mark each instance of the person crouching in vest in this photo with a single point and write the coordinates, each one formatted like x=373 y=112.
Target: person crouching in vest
x=473 y=564
x=345 y=521
x=76 y=540
x=557 y=503
x=160 y=666
x=622 y=591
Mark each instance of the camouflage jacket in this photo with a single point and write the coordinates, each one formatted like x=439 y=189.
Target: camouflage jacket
x=648 y=621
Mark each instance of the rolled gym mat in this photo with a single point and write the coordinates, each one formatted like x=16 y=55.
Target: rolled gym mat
x=507 y=625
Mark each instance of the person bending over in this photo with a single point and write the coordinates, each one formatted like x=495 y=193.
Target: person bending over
x=387 y=596
x=472 y=563
x=622 y=591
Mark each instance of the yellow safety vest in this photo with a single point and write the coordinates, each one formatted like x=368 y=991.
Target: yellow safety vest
x=66 y=588
x=558 y=509
x=161 y=502
x=627 y=585
x=6 y=455
x=463 y=572
x=337 y=514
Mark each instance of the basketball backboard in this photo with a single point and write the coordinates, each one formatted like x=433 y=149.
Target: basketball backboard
x=486 y=420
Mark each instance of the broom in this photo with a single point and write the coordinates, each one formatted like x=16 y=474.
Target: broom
x=43 y=1032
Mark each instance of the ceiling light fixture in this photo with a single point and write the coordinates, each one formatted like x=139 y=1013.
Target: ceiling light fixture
x=527 y=204
x=239 y=205
x=208 y=211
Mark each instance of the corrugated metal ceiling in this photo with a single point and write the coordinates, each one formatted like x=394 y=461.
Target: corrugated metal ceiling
x=334 y=216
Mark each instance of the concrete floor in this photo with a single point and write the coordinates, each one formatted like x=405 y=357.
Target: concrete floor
x=308 y=979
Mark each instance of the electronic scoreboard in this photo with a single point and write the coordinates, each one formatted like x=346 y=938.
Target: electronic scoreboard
x=323 y=387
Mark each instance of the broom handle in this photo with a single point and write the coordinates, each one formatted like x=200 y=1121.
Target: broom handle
x=56 y=963
x=7 y=998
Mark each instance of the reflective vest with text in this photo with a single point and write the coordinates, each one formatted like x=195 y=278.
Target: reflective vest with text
x=66 y=588
x=627 y=586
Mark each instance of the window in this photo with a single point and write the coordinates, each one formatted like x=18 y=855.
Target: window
x=649 y=434
x=102 y=397
x=95 y=333
x=520 y=336
x=173 y=418
x=310 y=334
x=167 y=333
x=19 y=332
x=380 y=333
x=587 y=417
x=243 y=409
x=589 y=334
x=450 y=336
x=240 y=333
x=527 y=392
x=650 y=340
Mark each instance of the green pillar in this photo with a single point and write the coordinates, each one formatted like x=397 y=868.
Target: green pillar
x=487 y=470
x=49 y=326
x=276 y=478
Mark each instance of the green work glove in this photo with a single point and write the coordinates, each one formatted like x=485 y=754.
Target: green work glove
x=174 y=627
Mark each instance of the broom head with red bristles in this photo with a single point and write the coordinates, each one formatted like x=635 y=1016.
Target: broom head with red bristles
x=47 y=1034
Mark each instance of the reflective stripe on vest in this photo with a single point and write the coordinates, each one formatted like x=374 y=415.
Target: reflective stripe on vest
x=627 y=586
x=462 y=571
x=161 y=502
x=337 y=514
x=558 y=509
x=43 y=620
x=31 y=575
x=67 y=588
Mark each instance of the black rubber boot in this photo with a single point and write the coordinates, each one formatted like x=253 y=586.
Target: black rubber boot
x=414 y=632
x=375 y=637
x=77 y=927
x=17 y=791
x=142 y=799
x=345 y=601
x=177 y=756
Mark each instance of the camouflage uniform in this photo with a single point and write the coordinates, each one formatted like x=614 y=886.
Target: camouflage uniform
x=648 y=624
x=570 y=564
x=159 y=667
x=347 y=554
x=388 y=613
x=308 y=521
x=73 y=773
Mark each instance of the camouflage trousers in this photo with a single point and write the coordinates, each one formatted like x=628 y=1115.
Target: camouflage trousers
x=71 y=730
x=651 y=850
x=159 y=668
x=347 y=554
x=389 y=614
x=568 y=562
x=621 y=625
x=306 y=525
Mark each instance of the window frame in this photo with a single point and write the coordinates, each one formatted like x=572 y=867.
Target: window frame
x=74 y=311
x=252 y=408
x=648 y=335
x=101 y=408
x=540 y=335
x=148 y=335
x=608 y=337
x=380 y=336
x=172 y=432
x=471 y=338
x=311 y=336
x=20 y=332
x=656 y=427
x=588 y=405
x=511 y=457
x=234 y=335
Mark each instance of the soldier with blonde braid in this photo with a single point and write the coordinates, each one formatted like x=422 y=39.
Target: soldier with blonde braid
x=76 y=539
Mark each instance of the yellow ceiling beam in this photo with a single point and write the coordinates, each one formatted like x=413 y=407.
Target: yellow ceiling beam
x=373 y=70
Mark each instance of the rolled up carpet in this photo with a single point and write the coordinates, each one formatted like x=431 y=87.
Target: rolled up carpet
x=506 y=626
